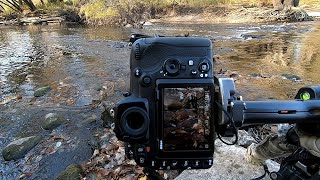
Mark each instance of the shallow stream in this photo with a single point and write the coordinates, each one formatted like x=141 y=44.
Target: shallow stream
x=84 y=66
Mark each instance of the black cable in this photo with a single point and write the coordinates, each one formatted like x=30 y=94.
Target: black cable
x=233 y=124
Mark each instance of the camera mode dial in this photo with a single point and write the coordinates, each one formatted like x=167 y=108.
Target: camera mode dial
x=171 y=67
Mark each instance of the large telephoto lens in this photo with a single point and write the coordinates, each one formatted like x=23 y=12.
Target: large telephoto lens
x=134 y=121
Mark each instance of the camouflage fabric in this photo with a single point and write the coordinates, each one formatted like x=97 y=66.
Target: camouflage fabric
x=311 y=143
x=272 y=147
x=278 y=146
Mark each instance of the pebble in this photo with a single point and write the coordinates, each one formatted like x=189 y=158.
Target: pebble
x=58 y=144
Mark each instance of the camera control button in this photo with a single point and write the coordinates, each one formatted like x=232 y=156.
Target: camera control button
x=185 y=164
x=141 y=149
x=142 y=160
x=146 y=81
x=207 y=163
x=194 y=72
x=190 y=62
x=204 y=66
x=164 y=163
x=153 y=163
x=196 y=163
x=174 y=163
x=137 y=72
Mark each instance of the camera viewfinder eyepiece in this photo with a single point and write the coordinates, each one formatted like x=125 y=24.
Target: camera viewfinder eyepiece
x=134 y=121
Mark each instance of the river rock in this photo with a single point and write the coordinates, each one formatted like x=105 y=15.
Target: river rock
x=72 y=172
x=18 y=148
x=107 y=117
x=291 y=77
x=250 y=36
x=52 y=121
x=245 y=139
x=41 y=91
x=147 y=23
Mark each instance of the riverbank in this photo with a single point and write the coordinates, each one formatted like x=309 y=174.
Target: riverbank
x=178 y=14
x=42 y=17
x=240 y=14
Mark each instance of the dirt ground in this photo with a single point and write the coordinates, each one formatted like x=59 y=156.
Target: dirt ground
x=237 y=14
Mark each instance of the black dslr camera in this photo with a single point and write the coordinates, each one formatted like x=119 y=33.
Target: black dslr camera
x=167 y=117
x=176 y=106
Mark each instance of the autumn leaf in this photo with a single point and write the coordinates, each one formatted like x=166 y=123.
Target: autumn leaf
x=29 y=173
x=143 y=177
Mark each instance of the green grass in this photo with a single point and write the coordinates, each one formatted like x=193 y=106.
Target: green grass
x=98 y=9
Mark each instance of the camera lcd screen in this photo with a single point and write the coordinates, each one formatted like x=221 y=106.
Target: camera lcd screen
x=186 y=118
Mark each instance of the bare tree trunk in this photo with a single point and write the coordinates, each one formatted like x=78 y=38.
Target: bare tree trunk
x=284 y=4
x=277 y=4
x=2 y=8
x=11 y=6
x=287 y=4
x=30 y=5
x=15 y=4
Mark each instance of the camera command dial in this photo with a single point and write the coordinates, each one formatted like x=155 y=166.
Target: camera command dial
x=171 y=67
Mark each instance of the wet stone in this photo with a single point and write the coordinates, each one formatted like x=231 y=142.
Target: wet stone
x=255 y=75
x=245 y=139
x=107 y=118
x=41 y=91
x=18 y=148
x=52 y=121
x=291 y=77
x=250 y=36
x=66 y=53
x=72 y=172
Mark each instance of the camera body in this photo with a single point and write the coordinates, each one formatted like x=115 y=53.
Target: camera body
x=167 y=117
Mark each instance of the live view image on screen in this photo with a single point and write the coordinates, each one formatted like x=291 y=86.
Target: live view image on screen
x=186 y=118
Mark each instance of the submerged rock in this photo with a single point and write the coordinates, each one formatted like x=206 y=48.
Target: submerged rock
x=72 y=172
x=19 y=148
x=52 y=121
x=41 y=91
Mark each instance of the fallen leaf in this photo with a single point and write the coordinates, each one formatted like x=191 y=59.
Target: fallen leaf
x=143 y=177
x=8 y=99
x=96 y=152
x=70 y=101
x=50 y=150
x=29 y=173
x=104 y=172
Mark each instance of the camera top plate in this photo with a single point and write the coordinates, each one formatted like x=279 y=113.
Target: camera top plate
x=170 y=58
